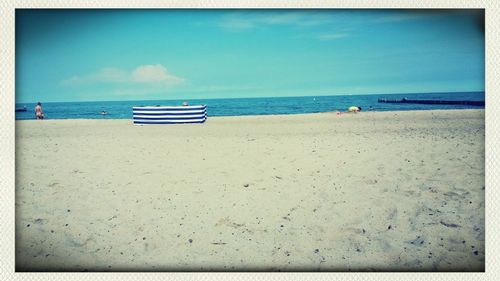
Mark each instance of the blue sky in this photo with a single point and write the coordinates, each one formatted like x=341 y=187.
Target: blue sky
x=104 y=55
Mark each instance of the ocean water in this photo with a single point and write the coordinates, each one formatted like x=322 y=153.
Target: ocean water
x=247 y=106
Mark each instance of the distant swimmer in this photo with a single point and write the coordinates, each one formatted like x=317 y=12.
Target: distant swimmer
x=104 y=112
x=38 y=111
x=185 y=104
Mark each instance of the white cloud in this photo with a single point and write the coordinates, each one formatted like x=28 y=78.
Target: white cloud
x=111 y=75
x=401 y=17
x=156 y=75
x=281 y=18
x=108 y=74
x=340 y=20
x=247 y=20
x=235 y=24
x=331 y=36
x=153 y=74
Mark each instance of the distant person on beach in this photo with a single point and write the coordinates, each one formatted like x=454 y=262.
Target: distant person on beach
x=38 y=111
x=354 y=109
x=185 y=104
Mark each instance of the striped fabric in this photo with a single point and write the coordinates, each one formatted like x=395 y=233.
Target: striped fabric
x=146 y=115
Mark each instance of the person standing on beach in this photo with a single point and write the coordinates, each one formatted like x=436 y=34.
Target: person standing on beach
x=38 y=111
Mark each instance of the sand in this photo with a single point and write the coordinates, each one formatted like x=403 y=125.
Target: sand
x=374 y=191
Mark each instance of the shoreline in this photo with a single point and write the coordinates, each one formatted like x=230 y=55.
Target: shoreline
x=390 y=191
x=281 y=115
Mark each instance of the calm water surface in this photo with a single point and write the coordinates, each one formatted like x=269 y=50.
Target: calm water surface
x=247 y=106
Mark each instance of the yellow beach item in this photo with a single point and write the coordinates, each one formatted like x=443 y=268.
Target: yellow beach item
x=353 y=109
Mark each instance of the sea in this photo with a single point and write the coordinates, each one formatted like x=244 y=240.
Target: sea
x=249 y=106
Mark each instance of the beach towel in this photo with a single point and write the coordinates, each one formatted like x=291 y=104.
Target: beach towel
x=148 y=115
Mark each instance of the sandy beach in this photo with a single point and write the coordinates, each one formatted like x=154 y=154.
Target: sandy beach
x=374 y=191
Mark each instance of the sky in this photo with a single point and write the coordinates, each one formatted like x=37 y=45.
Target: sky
x=107 y=55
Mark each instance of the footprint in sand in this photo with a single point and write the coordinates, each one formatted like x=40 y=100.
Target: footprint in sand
x=228 y=222
x=419 y=241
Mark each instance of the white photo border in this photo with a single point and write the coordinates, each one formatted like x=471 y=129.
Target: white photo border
x=7 y=135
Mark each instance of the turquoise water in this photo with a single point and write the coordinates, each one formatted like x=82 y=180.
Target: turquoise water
x=247 y=106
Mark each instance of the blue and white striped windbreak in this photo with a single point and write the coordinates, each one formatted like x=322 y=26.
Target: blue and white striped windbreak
x=146 y=115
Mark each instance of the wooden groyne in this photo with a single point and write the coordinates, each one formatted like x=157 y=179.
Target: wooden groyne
x=405 y=100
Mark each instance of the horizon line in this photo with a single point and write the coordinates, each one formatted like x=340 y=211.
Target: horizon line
x=259 y=97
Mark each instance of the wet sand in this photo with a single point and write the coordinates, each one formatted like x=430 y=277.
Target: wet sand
x=374 y=191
